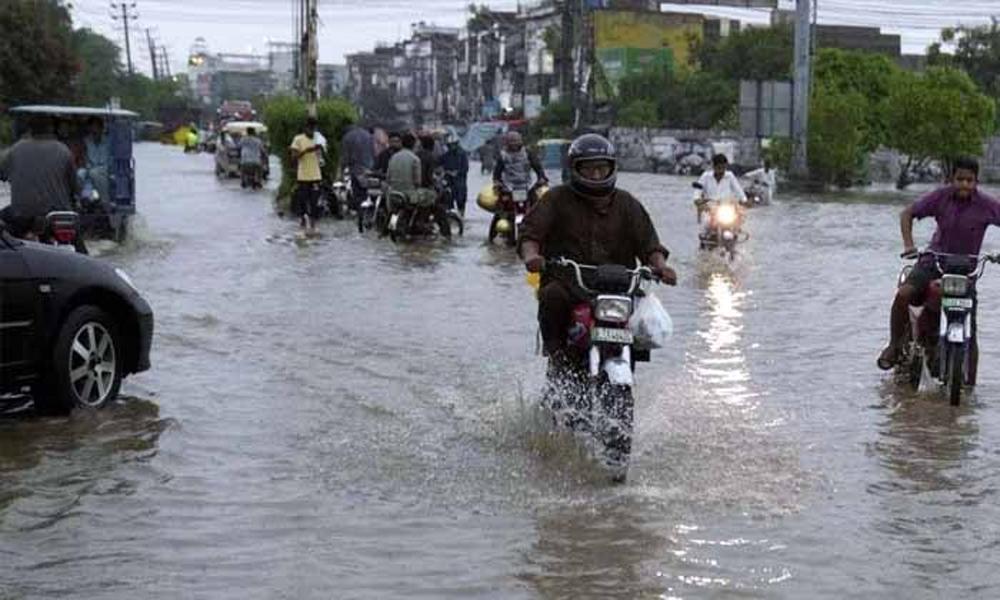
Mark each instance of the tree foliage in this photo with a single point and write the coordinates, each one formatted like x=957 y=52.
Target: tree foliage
x=639 y=113
x=938 y=115
x=761 y=53
x=836 y=135
x=36 y=56
x=872 y=75
x=684 y=100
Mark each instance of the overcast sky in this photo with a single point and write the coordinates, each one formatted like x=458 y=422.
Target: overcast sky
x=355 y=25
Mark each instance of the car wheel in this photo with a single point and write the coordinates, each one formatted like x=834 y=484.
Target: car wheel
x=86 y=362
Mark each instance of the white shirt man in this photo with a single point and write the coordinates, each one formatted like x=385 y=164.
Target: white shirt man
x=726 y=189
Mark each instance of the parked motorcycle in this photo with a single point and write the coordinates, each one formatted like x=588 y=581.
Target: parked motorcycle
x=725 y=225
x=337 y=196
x=591 y=390
x=373 y=212
x=512 y=206
x=945 y=340
x=412 y=216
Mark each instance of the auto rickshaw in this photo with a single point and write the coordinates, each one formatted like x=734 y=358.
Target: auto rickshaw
x=106 y=171
x=227 y=149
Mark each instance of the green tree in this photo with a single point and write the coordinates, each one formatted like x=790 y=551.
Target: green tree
x=836 y=135
x=639 y=113
x=763 y=53
x=938 y=115
x=100 y=67
x=36 y=56
x=977 y=52
x=871 y=75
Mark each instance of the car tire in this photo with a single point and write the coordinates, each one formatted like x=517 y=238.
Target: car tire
x=86 y=363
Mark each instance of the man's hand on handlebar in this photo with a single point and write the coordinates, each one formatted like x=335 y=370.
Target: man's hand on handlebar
x=910 y=253
x=658 y=263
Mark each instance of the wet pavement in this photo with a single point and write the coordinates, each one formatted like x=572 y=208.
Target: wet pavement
x=346 y=418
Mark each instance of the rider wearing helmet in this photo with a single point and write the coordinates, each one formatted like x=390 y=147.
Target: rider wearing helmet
x=515 y=164
x=589 y=221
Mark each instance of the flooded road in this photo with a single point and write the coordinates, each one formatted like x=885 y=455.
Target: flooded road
x=345 y=418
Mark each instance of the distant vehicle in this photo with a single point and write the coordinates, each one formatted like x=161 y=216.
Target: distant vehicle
x=235 y=110
x=106 y=211
x=73 y=326
x=227 y=147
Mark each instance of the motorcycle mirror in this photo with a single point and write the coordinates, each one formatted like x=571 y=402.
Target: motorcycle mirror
x=697 y=186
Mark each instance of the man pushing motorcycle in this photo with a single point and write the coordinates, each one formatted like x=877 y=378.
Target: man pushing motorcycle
x=963 y=213
x=589 y=221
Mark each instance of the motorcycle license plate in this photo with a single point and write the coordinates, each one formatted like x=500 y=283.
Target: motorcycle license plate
x=520 y=195
x=956 y=303
x=611 y=336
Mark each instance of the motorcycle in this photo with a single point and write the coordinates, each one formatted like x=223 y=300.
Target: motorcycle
x=512 y=206
x=945 y=341
x=591 y=390
x=413 y=216
x=373 y=212
x=756 y=195
x=337 y=196
x=725 y=224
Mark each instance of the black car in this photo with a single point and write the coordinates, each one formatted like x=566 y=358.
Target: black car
x=71 y=327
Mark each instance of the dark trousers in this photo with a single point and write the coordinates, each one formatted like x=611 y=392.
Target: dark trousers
x=307 y=199
x=555 y=306
x=460 y=194
x=358 y=192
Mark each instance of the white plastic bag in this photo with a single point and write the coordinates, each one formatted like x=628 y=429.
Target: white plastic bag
x=651 y=324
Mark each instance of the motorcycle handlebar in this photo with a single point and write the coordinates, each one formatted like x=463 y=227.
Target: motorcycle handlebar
x=638 y=274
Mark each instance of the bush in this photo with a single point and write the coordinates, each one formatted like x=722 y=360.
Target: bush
x=6 y=131
x=836 y=136
x=285 y=116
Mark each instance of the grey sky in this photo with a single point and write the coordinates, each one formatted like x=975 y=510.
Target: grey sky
x=355 y=25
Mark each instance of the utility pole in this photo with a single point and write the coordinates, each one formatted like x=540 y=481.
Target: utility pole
x=567 y=38
x=801 y=87
x=152 y=54
x=311 y=47
x=165 y=64
x=127 y=14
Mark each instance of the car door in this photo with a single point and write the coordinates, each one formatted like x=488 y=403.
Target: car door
x=18 y=317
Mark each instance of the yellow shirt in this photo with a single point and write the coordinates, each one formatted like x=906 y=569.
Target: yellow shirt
x=308 y=163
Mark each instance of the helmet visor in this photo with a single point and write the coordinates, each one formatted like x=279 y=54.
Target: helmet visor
x=595 y=170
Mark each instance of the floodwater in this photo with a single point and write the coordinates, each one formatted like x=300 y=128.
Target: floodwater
x=344 y=418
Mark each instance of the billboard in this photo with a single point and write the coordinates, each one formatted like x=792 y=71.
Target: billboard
x=628 y=42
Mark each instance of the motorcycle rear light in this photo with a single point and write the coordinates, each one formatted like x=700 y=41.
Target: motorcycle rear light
x=955 y=285
x=64 y=236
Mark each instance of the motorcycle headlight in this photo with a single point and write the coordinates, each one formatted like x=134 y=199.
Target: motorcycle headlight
x=955 y=285
x=726 y=214
x=613 y=309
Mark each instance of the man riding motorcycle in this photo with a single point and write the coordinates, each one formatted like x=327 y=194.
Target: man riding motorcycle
x=513 y=172
x=963 y=213
x=405 y=176
x=589 y=221
x=455 y=162
x=719 y=185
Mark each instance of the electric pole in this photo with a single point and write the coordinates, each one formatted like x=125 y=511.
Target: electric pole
x=165 y=64
x=801 y=88
x=127 y=14
x=152 y=54
x=311 y=47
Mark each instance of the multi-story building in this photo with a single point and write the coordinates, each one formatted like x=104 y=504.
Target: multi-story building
x=332 y=80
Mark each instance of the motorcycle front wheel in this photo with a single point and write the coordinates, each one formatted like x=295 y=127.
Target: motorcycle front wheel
x=615 y=429
x=954 y=376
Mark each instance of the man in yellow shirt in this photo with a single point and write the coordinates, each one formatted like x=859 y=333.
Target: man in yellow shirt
x=307 y=154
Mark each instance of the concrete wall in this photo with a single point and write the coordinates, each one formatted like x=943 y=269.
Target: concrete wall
x=678 y=151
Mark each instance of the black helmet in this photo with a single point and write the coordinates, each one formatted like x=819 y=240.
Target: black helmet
x=587 y=148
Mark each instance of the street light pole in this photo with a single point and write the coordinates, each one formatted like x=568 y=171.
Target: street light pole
x=801 y=89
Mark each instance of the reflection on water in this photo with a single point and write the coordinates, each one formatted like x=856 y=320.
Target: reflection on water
x=722 y=368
